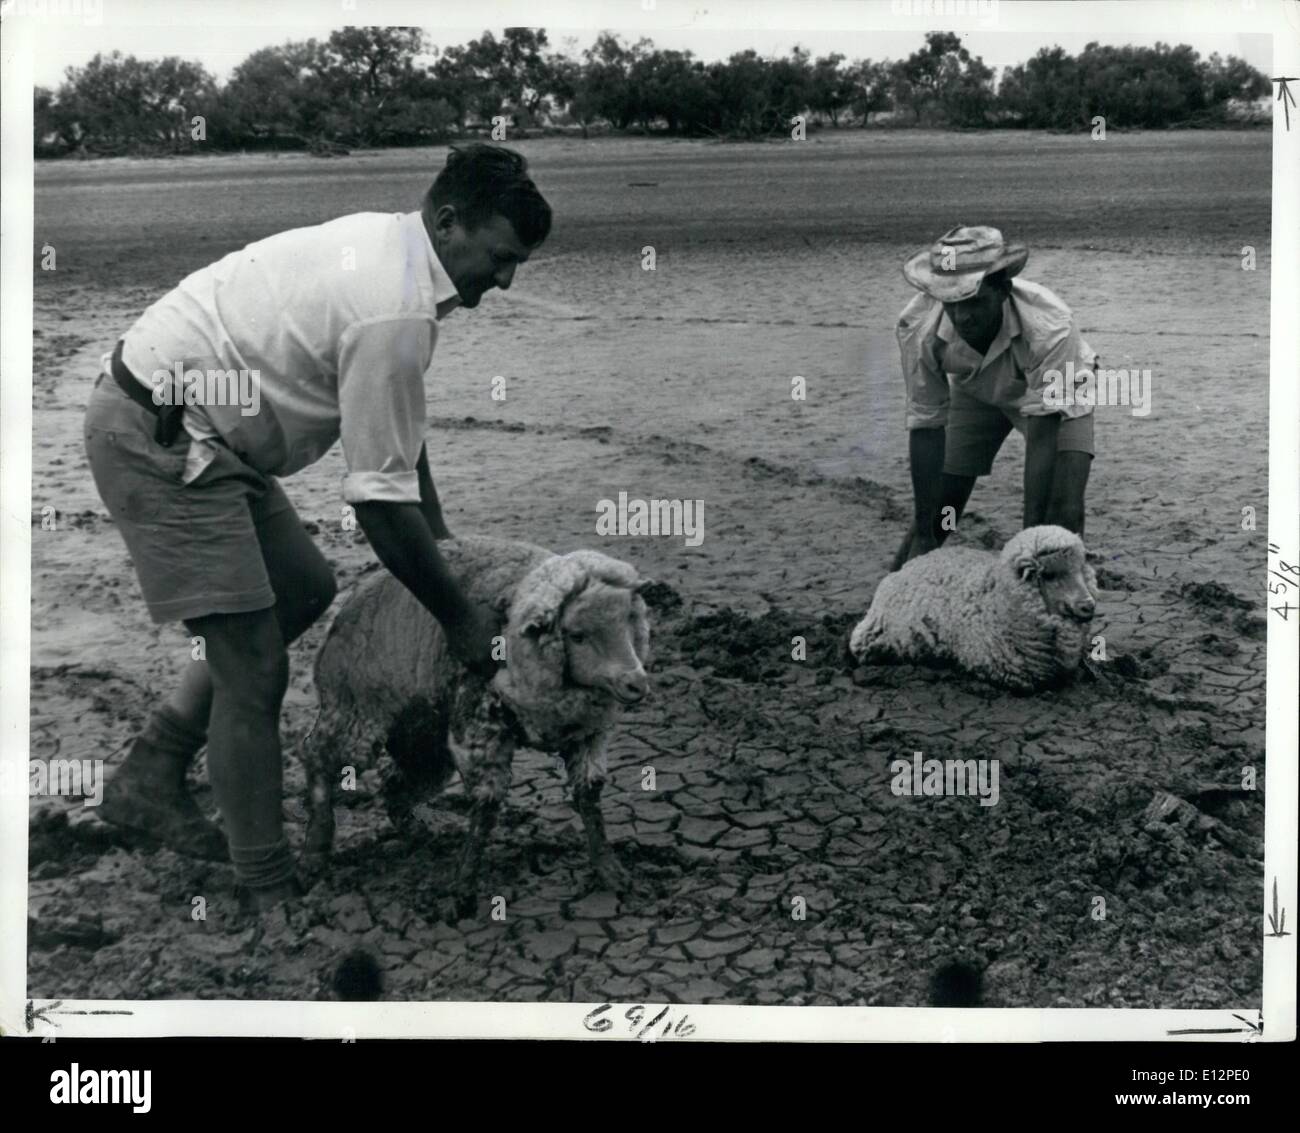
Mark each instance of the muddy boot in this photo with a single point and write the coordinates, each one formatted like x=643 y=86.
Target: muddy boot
x=147 y=800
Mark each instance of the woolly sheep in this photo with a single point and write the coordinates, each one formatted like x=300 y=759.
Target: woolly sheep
x=1017 y=619
x=576 y=641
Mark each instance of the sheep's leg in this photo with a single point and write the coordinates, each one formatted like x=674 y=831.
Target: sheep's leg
x=587 y=766
x=482 y=821
x=419 y=763
x=483 y=747
x=319 y=764
x=606 y=868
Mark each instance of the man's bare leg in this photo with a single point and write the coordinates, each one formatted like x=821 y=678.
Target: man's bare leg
x=304 y=587
x=148 y=794
x=249 y=668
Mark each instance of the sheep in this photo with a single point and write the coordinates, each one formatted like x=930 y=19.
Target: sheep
x=1017 y=619
x=575 y=644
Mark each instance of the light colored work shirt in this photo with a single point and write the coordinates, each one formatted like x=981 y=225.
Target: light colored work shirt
x=1038 y=335
x=334 y=324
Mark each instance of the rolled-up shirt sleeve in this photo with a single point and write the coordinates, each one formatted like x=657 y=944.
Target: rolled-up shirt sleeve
x=925 y=383
x=1066 y=362
x=381 y=406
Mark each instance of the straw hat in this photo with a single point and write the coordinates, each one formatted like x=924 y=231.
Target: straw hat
x=954 y=266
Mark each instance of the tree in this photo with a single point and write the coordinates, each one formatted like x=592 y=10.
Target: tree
x=672 y=87
x=277 y=93
x=1141 y=86
x=1233 y=80
x=387 y=86
x=945 y=76
x=916 y=78
x=1045 y=92
x=830 y=87
x=606 y=90
x=116 y=103
x=965 y=89
x=871 y=85
x=471 y=76
x=742 y=93
x=48 y=124
x=790 y=84
x=370 y=77
x=527 y=75
x=1128 y=86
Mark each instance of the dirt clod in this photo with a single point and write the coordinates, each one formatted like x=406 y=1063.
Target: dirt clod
x=358 y=977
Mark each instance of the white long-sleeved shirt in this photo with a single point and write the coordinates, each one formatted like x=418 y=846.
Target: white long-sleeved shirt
x=1038 y=335
x=338 y=321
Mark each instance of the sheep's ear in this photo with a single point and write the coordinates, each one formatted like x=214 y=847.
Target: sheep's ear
x=1027 y=569
x=538 y=623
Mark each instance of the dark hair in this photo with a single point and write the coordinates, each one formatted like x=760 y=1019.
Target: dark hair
x=482 y=181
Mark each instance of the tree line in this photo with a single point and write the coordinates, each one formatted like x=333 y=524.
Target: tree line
x=388 y=86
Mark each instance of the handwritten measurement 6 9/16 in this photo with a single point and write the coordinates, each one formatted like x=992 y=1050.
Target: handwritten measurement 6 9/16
x=600 y=1022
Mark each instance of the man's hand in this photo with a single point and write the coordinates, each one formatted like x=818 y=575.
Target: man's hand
x=923 y=543
x=925 y=455
x=400 y=535
x=914 y=545
x=472 y=636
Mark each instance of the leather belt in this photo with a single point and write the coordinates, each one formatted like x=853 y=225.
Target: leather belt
x=169 y=416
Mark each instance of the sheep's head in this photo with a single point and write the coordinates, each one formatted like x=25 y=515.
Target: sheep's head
x=599 y=627
x=1052 y=560
x=579 y=620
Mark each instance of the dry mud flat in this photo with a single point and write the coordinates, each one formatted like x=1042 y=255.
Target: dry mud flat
x=772 y=775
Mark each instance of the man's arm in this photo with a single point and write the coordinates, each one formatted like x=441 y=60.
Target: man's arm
x=1042 y=416
x=429 y=504
x=401 y=536
x=927 y=412
x=925 y=452
x=1040 y=459
x=381 y=408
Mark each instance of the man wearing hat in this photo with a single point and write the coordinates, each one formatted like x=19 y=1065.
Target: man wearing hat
x=977 y=345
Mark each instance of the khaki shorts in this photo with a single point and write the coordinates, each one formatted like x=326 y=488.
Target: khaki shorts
x=976 y=430
x=195 y=546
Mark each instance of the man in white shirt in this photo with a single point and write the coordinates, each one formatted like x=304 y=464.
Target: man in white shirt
x=983 y=353
x=250 y=369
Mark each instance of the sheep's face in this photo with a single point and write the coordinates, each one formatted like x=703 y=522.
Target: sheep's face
x=1065 y=582
x=603 y=628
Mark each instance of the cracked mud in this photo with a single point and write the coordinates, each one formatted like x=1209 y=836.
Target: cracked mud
x=771 y=775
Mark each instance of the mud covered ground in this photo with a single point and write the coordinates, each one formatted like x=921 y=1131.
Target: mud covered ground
x=771 y=774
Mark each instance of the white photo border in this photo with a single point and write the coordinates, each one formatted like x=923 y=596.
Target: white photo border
x=22 y=27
